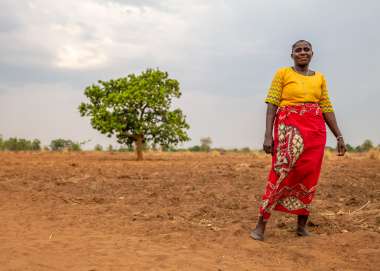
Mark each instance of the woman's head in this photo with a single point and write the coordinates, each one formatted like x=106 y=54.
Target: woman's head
x=302 y=52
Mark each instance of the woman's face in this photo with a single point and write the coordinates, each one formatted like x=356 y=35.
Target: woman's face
x=302 y=54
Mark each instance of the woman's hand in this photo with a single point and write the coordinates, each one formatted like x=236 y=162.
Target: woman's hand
x=268 y=139
x=268 y=145
x=341 y=147
x=332 y=124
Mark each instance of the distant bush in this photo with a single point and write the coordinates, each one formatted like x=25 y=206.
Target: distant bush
x=98 y=147
x=36 y=145
x=367 y=145
x=195 y=148
x=169 y=148
x=62 y=144
x=245 y=149
x=74 y=147
x=19 y=144
x=349 y=148
x=126 y=148
x=206 y=143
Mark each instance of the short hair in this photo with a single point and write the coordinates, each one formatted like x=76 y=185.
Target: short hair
x=299 y=41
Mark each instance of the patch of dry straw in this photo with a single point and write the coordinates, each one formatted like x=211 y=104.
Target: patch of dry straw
x=373 y=154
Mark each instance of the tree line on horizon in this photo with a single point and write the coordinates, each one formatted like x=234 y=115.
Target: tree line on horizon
x=22 y=144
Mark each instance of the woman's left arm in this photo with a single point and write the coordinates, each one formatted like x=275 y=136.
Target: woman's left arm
x=333 y=125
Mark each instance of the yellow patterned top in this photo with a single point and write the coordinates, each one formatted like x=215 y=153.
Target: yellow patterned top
x=290 y=87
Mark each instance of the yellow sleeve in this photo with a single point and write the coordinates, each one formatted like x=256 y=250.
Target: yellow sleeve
x=275 y=90
x=325 y=102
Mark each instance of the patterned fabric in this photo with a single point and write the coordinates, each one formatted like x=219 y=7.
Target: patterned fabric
x=291 y=88
x=292 y=204
x=299 y=141
x=324 y=101
x=275 y=90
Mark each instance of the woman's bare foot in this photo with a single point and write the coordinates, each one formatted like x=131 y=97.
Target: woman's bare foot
x=258 y=232
x=303 y=232
x=257 y=235
x=301 y=226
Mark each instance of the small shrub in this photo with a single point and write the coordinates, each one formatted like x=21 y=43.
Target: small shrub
x=98 y=147
x=245 y=149
x=215 y=153
x=65 y=144
x=195 y=148
x=206 y=143
x=74 y=146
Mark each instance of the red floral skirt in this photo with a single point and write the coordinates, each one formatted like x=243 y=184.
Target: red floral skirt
x=299 y=143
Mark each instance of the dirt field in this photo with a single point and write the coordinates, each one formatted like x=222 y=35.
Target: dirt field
x=104 y=211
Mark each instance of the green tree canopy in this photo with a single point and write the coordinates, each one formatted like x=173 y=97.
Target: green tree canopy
x=367 y=145
x=60 y=144
x=98 y=147
x=19 y=144
x=137 y=109
x=349 y=148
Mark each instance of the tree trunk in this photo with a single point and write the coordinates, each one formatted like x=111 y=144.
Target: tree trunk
x=139 y=147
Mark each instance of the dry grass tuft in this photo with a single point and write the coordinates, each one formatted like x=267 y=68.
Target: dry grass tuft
x=328 y=154
x=373 y=154
x=255 y=154
x=348 y=155
x=215 y=153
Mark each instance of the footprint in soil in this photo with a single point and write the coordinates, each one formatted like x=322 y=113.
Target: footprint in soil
x=98 y=200
x=352 y=202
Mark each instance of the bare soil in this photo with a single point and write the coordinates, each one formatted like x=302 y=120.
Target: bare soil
x=179 y=211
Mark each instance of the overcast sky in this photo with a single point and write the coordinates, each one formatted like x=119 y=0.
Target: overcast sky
x=224 y=53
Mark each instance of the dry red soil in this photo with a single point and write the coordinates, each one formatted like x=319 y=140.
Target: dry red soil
x=180 y=211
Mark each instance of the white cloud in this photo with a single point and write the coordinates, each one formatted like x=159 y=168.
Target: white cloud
x=92 y=32
x=80 y=57
x=222 y=52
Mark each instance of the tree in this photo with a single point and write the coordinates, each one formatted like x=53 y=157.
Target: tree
x=245 y=149
x=58 y=144
x=137 y=109
x=349 y=148
x=98 y=147
x=1 y=143
x=13 y=144
x=195 y=148
x=110 y=148
x=61 y=144
x=74 y=146
x=206 y=143
x=367 y=145
x=36 y=145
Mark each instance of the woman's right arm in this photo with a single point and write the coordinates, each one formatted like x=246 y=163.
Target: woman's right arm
x=273 y=100
x=268 y=139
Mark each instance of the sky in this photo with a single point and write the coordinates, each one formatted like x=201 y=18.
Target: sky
x=223 y=53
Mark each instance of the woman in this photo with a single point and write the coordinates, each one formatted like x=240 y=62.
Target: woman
x=298 y=108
